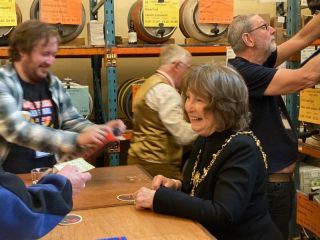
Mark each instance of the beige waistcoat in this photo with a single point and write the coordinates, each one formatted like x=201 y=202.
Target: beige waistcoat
x=152 y=142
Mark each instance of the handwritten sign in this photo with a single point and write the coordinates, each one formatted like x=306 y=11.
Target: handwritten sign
x=307 y=52
x=310 y=105
x=157 y=12
x=8 y=16
x=61 y=11
x=215 y=11
x=308 y=213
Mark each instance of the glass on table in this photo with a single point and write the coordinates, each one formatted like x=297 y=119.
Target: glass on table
x=137 y=178
x=131 y=178
x=38 y=173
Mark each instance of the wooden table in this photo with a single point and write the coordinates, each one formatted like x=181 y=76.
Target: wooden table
x=127 y=221
x=109 y=182
x=105 y=216
x=106 y=184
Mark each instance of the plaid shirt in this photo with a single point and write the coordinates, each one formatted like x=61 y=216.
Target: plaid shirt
x=14 y=128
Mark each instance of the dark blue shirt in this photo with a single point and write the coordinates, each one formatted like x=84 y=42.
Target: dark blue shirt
x=279 y=144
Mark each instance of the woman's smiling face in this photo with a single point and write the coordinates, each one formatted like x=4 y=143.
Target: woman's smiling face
x=202 y=120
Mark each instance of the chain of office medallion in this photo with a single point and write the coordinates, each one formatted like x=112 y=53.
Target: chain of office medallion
x=197 y=178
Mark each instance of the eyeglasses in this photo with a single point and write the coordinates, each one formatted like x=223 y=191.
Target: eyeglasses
x=263 y=26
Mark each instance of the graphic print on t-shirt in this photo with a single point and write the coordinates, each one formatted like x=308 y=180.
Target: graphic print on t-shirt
x=39 y=108
x=40 y=111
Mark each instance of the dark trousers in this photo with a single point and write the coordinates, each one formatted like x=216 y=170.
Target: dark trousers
x=280 y=198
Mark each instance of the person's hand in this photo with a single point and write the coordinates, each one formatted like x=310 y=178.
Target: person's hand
x=96 y=134
x=78 y=180
x=160 y=180
x=144 y=198
x=116 y=124
x=93 y=136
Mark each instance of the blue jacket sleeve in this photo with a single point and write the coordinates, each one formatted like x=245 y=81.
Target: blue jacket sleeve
x=30 y=213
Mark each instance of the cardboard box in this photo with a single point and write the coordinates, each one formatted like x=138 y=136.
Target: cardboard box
x=309 y=177
x=80 y=99
x=95 y=33
x=281 y=35
x=277 y=22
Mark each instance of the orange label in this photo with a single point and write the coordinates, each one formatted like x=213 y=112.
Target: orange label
x=215 y=11
x=308 y=213
x=134 y=89
x=61 y=11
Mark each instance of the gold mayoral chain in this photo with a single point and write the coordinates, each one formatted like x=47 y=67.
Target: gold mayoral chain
x=197 y=178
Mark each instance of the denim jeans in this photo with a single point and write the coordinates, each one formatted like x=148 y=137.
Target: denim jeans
x=280 y=199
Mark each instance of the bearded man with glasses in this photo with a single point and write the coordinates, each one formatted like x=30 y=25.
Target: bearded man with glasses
x=257 y=55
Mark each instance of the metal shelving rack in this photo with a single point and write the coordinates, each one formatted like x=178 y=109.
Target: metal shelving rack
x=96 y=59
x=123 y=51
x=293 y=26
x=292 y=100
x=110 y=64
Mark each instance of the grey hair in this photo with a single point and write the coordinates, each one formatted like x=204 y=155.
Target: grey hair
x=173 y=53
x=240 y=25
x=225 y=91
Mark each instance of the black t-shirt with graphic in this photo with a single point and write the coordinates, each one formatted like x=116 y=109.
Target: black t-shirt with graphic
x=37 y=101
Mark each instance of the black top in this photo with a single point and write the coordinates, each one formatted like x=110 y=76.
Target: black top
x=280 y=144
x=230 y=202
x=37 y=101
